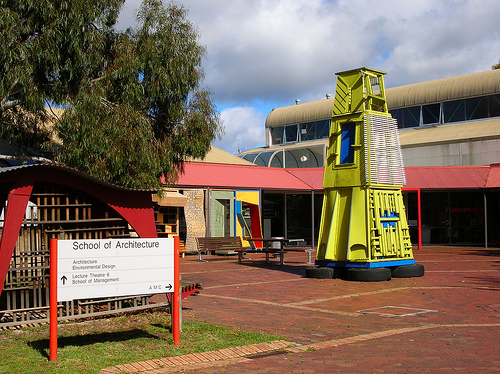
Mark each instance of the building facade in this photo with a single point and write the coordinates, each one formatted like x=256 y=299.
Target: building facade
x=446 y=124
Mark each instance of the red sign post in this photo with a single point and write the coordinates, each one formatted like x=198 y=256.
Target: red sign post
x=53 y=301
x=177 y=295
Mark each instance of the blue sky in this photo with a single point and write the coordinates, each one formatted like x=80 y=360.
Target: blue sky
x=263 y=54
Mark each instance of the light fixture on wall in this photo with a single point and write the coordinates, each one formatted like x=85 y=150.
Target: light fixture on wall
x=303 y=158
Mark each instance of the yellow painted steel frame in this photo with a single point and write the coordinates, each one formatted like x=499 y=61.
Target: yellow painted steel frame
x=363 y=218
x=251 y=198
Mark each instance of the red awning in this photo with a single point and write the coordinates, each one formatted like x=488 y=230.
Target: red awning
x=204 y=175
x=446 y=177
x=201 y=175
x=494 y=177
x=312 y=176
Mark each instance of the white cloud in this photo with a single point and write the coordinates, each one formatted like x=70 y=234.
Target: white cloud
x=264 y=51
x=243 y=129
x=280 y=49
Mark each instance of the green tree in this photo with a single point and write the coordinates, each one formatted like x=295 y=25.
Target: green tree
x=497 y=66
x=135 y=107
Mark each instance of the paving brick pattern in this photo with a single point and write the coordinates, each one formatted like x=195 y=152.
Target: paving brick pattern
x=447 y=321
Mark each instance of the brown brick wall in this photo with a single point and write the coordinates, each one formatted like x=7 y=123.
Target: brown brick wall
x=195 y=217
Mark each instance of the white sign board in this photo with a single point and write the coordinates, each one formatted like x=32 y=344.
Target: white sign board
x=89 y=269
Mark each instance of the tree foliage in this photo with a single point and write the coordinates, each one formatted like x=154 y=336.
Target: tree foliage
x=496 y=66
x=135 y=108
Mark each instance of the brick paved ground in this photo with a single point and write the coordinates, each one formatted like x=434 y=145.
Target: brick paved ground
x=447 y=321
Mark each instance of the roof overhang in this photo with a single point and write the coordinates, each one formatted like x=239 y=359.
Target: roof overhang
x=170 y=199
x=198 y=175
x=463 y=131
x=206 y=175
x=454 y=88
x=301 y=113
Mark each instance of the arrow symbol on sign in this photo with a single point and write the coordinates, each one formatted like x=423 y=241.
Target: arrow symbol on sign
x=169 y=287
x=63 y=278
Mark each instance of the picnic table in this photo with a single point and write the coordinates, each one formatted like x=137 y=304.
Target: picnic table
x=268 y=248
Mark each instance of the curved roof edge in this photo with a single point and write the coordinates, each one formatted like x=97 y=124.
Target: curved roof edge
x=300 y=113
x=459 y=87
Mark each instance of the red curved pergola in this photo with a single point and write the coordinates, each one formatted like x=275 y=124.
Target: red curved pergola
x=135 y=206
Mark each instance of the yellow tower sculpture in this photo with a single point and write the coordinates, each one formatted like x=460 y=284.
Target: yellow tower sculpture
x=364 y=232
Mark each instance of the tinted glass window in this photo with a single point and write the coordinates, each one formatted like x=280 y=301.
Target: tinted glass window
x=291 y=160
x=291 y=133
x=398 y=115
x=277 y=160
x=318 y=154
x=308 y=131
x=347 y=140
x=323 y=129
x=454 y=111
x=494 y=105
x=263 y=158
x=476 y=108
x=278 y=135
x=431 y=113
x=249 y=156
x=411 y=117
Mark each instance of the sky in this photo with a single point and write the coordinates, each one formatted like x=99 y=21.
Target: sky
x=265 y=54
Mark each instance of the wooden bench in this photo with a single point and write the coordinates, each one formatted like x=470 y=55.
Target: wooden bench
x=222 y=243
x=298 y=245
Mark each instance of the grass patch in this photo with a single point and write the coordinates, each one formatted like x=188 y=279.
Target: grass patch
x=87 y=347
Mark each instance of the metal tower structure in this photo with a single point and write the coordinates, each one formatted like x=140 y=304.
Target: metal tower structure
x=363 y=222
